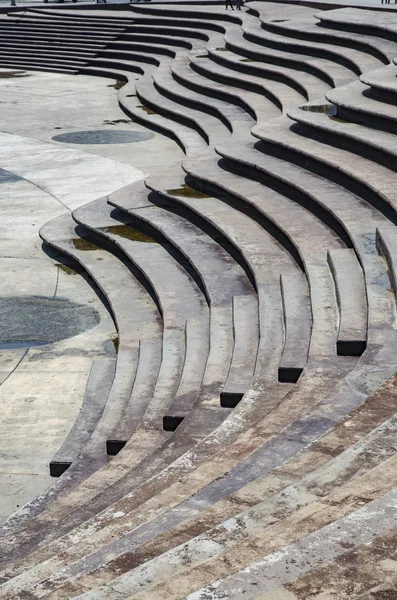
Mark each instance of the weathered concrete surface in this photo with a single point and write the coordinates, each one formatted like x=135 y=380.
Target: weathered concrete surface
x=298 y=476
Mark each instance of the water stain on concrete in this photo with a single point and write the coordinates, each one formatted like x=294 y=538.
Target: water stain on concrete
x=128 y=233
x=7 y=177
x=13 y=74
x=66 y=269
x=147 y=110
x=84 y=245
x=187 y=192
x=104 y=136
x=325 y=109
x=116 y=344
x=118 y=85
x=116 y=121
x=35 y=320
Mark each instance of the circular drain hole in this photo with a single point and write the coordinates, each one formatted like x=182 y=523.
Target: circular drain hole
x=103 y=136
x=35 y=320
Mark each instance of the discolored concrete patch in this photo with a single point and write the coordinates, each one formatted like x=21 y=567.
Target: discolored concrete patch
x=7 y=177
x=29 y=320
x=103 y=136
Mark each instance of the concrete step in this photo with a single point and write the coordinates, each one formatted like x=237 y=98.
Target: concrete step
x=144 y=384
x=364 y=419
x=317 y=88
x=209 y=260
x=305 y=83
x=245 y=349
x=253 y=104
x=360 y=21
x=58 y=66
x=158 y=38
x=47 y=58
x=352 y=302
x=320 y=124
x=95 y=397
x=53 y=44
x=247 y=470
x=353 y=60
x=190 y=140
x=233 y=118
x=282 y=218
x=355 y=104
x=157 y=49
x=297 y=326
x=361 y=176
x=79 y=38
x=24 y=28
x=307 y=28
x=279 y=95
x=179 y=299
x=21 y=50
x=257 y=252
x=236 y=43
x=382 y=83
x=307 y=487
x=358 y=220
x=189 y=388
x=203 y=253
x=210 y=128
x=331 y=73
x=386 y=242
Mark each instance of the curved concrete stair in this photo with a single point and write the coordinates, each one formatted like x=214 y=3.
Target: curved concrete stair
x=180 y=302
x=324 y=126
x=282 y=214
x=359 y=21
x=95 y=397
x=246 y=339
x=371 y=181
x=280 y=94
x=307 y=27
x=277 y=499
x=142 y=321
x=210 y=128
x=209 y=259
x=270 y=357
x=350 y=292
x=297 y=327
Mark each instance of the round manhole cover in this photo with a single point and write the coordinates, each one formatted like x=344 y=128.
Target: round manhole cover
x=32 y=320
x=103 y=136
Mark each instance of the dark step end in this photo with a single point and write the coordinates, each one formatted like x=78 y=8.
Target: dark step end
x=113 y=447
x=170 y=423
x=350 y=348
x=289 y=374
x=58 y=468
x=230 y=399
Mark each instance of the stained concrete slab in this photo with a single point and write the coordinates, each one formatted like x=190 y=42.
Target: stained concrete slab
x=101 y=136
x=43 y=319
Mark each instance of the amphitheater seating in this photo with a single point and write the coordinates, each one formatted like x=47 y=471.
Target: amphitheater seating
x=242 y=444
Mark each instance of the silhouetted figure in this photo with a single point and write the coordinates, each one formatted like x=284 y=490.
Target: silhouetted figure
x=229 y=3
x=238 y=4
